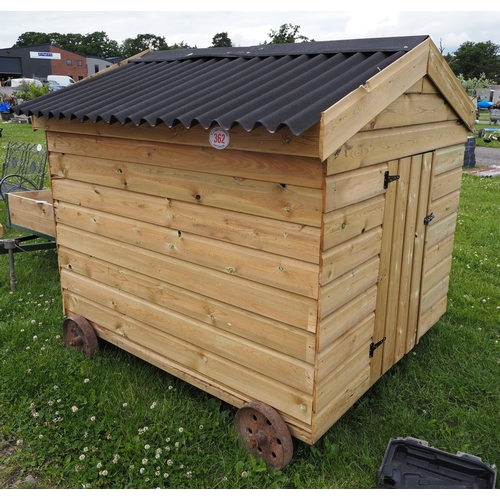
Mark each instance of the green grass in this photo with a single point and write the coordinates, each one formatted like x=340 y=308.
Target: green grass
x=65 y=420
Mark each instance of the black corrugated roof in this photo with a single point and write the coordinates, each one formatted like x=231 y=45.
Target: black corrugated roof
x=269 y=85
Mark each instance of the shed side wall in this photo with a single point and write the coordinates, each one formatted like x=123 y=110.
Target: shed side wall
x=211 y=272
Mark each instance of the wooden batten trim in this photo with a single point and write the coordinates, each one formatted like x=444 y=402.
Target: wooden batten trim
x=445 y=80
x=353 y=112
x=259 y=140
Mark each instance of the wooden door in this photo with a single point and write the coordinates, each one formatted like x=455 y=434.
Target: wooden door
x=401 y=261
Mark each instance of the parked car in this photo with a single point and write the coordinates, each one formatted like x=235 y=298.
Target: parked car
x=53 y=86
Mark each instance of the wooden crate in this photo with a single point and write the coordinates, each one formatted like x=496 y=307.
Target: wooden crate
x=33 y=211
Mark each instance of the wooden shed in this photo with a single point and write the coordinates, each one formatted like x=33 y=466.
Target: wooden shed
x=271 y=224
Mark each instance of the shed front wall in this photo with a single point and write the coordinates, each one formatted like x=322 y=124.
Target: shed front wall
x=384 y=272
x=200 y=261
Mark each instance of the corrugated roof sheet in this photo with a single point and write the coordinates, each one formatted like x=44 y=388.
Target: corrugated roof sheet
x=269 y=85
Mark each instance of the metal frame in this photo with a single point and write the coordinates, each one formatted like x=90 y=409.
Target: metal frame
x=23 y=170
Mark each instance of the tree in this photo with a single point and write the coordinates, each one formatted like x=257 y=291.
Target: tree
x=132 y=46
x=287 y=34
x=221 y=40
x=471 y=59
x=30 y=91
x=180 y=45
x=472 y=85
x=32 y=38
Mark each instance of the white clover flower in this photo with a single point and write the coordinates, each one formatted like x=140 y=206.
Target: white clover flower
x=99 y=465
x=124 y=405
x=170 y=462
x=146 y=446
x=158 y=450
x=55 y=388
x=157 y=456
x=157 y=473
x=33 y=321
x=167 y=440
x=74 y=409
x=19 y=442
x=28 y=348
x=116 y=458
x=244 y=473
x=92 y=418
x=165 y=475
x=35 y=414
x=86 y=381
x=35 y=337
x=104 y=472
x=177 y=444
x=40 y=436
x=82 y=457
x=50 y=403
x=181 y=429
x=188 y=473
x=144 y=461
x=86 y=449
x=201 y=427
x=142 y=469
x=153 y=405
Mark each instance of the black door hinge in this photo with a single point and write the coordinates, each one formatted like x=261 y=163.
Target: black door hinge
x=428 y=219
x=374 y=346
x=389 y=178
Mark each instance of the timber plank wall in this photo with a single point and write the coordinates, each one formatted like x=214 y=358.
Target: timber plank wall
x=259 y=272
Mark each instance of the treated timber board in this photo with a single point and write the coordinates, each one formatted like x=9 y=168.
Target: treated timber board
x=407 y=262
x=259 y=140
x=353 y=187
x=323 y=420
x=346 y=117
x=279 y=169
x=384 y=273
x=438 y=252
x=445 y=80
x=32 y=210
x=256 y=265
x=418 y=251
x=441 y=229
x=377 y=146
x=412 y=109
x=350 y=221
x=346 y=256
x=272 y=334
x=282 y=202
x=395 y=277
x=348 y=286
x=431 y=317
x=444 y=206
x=436 y=274
x=260 y=299
x=187 y=358
x=446 y=183
x=268 y=362
x=342 y=351
x=345 y=318
x=340 y=380
x=279 y=237
x=449 y=158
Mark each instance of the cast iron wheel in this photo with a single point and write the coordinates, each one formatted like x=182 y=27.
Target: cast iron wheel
x=265 y=434
x=78 y=333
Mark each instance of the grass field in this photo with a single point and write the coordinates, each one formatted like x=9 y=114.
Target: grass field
x=118 y=422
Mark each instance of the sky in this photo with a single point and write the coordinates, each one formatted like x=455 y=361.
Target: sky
x=197 y=26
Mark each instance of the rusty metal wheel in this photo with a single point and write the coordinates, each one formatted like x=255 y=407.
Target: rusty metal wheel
x=78 y=333
x=265 y=434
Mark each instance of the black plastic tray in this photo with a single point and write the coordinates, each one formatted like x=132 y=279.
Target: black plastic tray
x=412 y=463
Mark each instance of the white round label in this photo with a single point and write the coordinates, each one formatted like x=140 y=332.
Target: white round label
x=39 y=147
x=219 y=138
